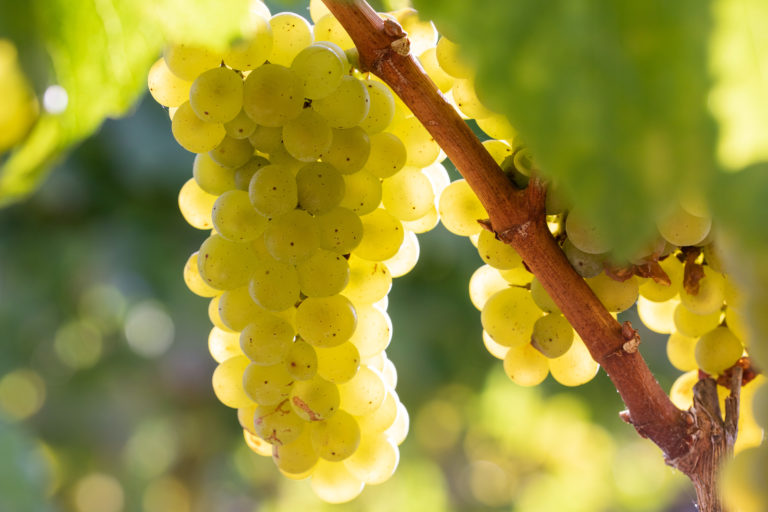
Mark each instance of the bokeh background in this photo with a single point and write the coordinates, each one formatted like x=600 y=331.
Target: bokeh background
x=105 y=396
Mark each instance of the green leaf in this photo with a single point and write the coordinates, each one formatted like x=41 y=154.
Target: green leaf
x=611 y=97
x=99 y=51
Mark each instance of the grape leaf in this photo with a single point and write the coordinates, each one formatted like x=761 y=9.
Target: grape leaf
x=610 y=97
x=99 y=51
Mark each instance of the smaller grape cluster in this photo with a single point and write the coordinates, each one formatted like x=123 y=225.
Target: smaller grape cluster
x=313 y=180
x=678 y=281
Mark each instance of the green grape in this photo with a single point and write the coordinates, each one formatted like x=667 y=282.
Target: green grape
x=421 y=33
x=211 y=176
x=349 y=150
x=421 y=148
x=496 y=253
x=382 y=236
x=244 y=173
x=296 y=457
x=232 y=153
x=237 y=309
x=240 y=127
x=223 y=345
x=525 y=366
x=389 y=373
x=274 y=285
x=320 y=187
x=374 y=331
x=450 y=59
x=711 y=294
x=542 y=298
x=317 y=10
x=441 y=79
x=485 y=282
x=425 y=223
x=213 y=314
x=682 y=228
x=509 y=315
x=254 y=49
x=320 y=69
x=460 y=209
x=737 y=324
x=267 y=385
x=336 y=438
x=267 y=139
x=216 y=95
x=188 y=61
x=496 y=350
x=328 y=28
x=301 y=360
x=326 y=321
x=194 y=282
x=235 y=219
x=466 y=99
x=315 y=399
x=383 y=417
x=681 y=351
x=575 y=367
x=369 y=281
x=681 y=392
x=718 y=350
x=307 y=137
x=346 y=106
x=713 y=256
x=323 y=274
x=387 y=155
x=290 y=34
x=694 y=325
x=615 y=295
x=586 y=265
x=333 y=483
x=364 y=393
x=734 y=296
x=657 y=316
x=278 y=424
x=382 y=107
x=338 y=364
x=498 y=127
x=362 y=192
x=293 y=237
x=194 y=134
x=519 y=276
x=166 y=88
x=228 y=382
x=273 y=191
x=408 y=195
x=375 y=460
x=406 y=256
x=659 y=292
x=498 y=149
x=340 y=230
x=743 y=480
x=273 y=95
x=266 y=339
x=583 y=235
x=438 y=177
x=552 y=335
x=225 y=265
x=338 y=50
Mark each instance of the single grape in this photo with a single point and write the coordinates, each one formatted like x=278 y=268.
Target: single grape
x=323 y=274
x=216 y=95
x=484 y=283
x=293 y=237
x=194 y=282
x=693 y=325
x=525 y=366
x=194 y=134
x=382 y=236
x=274 y=285
x=267 y=385
x=308 y=136
x=710 y=296
x=211 y=176
x=584 y=235
x=188 y=61
x=682 y=228
x=235 y=218
x=224 y=264
x=273 y=191
x=273 y=95
x=340 y=230
x=382 y=107
x=328 y=28
x=585 y=264
x=336 y=438
x=460 y=209
x=251 y=52
x=266 y=339
x=615 y=295
x=326 y=321
x=575 y=367
x=338 y=364
x=450 y=59
x=290 y=34
x=421 y=148
x=387 y=155
x=442 y=80
x=541 y=297
x=552 y=335
x=373 y=332
x=320 y=69
x=223 y=345
x=195 y=205
x=231 y=152
x=406 y=256
x=509 y=316
x=349 y=150
x=346 y=106
x=681 y=351
x=277 y=424
x=364 y=393
x=718 y=350
x=362 y=192
x=295 y=457
x=301 y=360
x=320 y=187
x=496 y=253
x=237 y=309
x=315 y=399
x=267 y=139
x=660 y=292
x=228 y=382
x=408 y=195
x=241 y=127
x=244 y=174
x=166 y=88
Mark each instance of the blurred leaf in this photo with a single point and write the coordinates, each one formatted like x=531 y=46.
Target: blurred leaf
x=739 y=61
x=740 y=204
x=611 y=97
x=99 y=51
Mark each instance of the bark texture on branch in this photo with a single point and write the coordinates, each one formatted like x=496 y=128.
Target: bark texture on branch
x=518 y=218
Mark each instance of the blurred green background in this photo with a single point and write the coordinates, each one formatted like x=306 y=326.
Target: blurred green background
x=105 y=396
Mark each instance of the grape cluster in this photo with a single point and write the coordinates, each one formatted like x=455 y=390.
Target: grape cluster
x=313 y=180
x=677 y=282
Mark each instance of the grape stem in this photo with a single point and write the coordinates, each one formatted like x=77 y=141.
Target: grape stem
x=518 y=218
